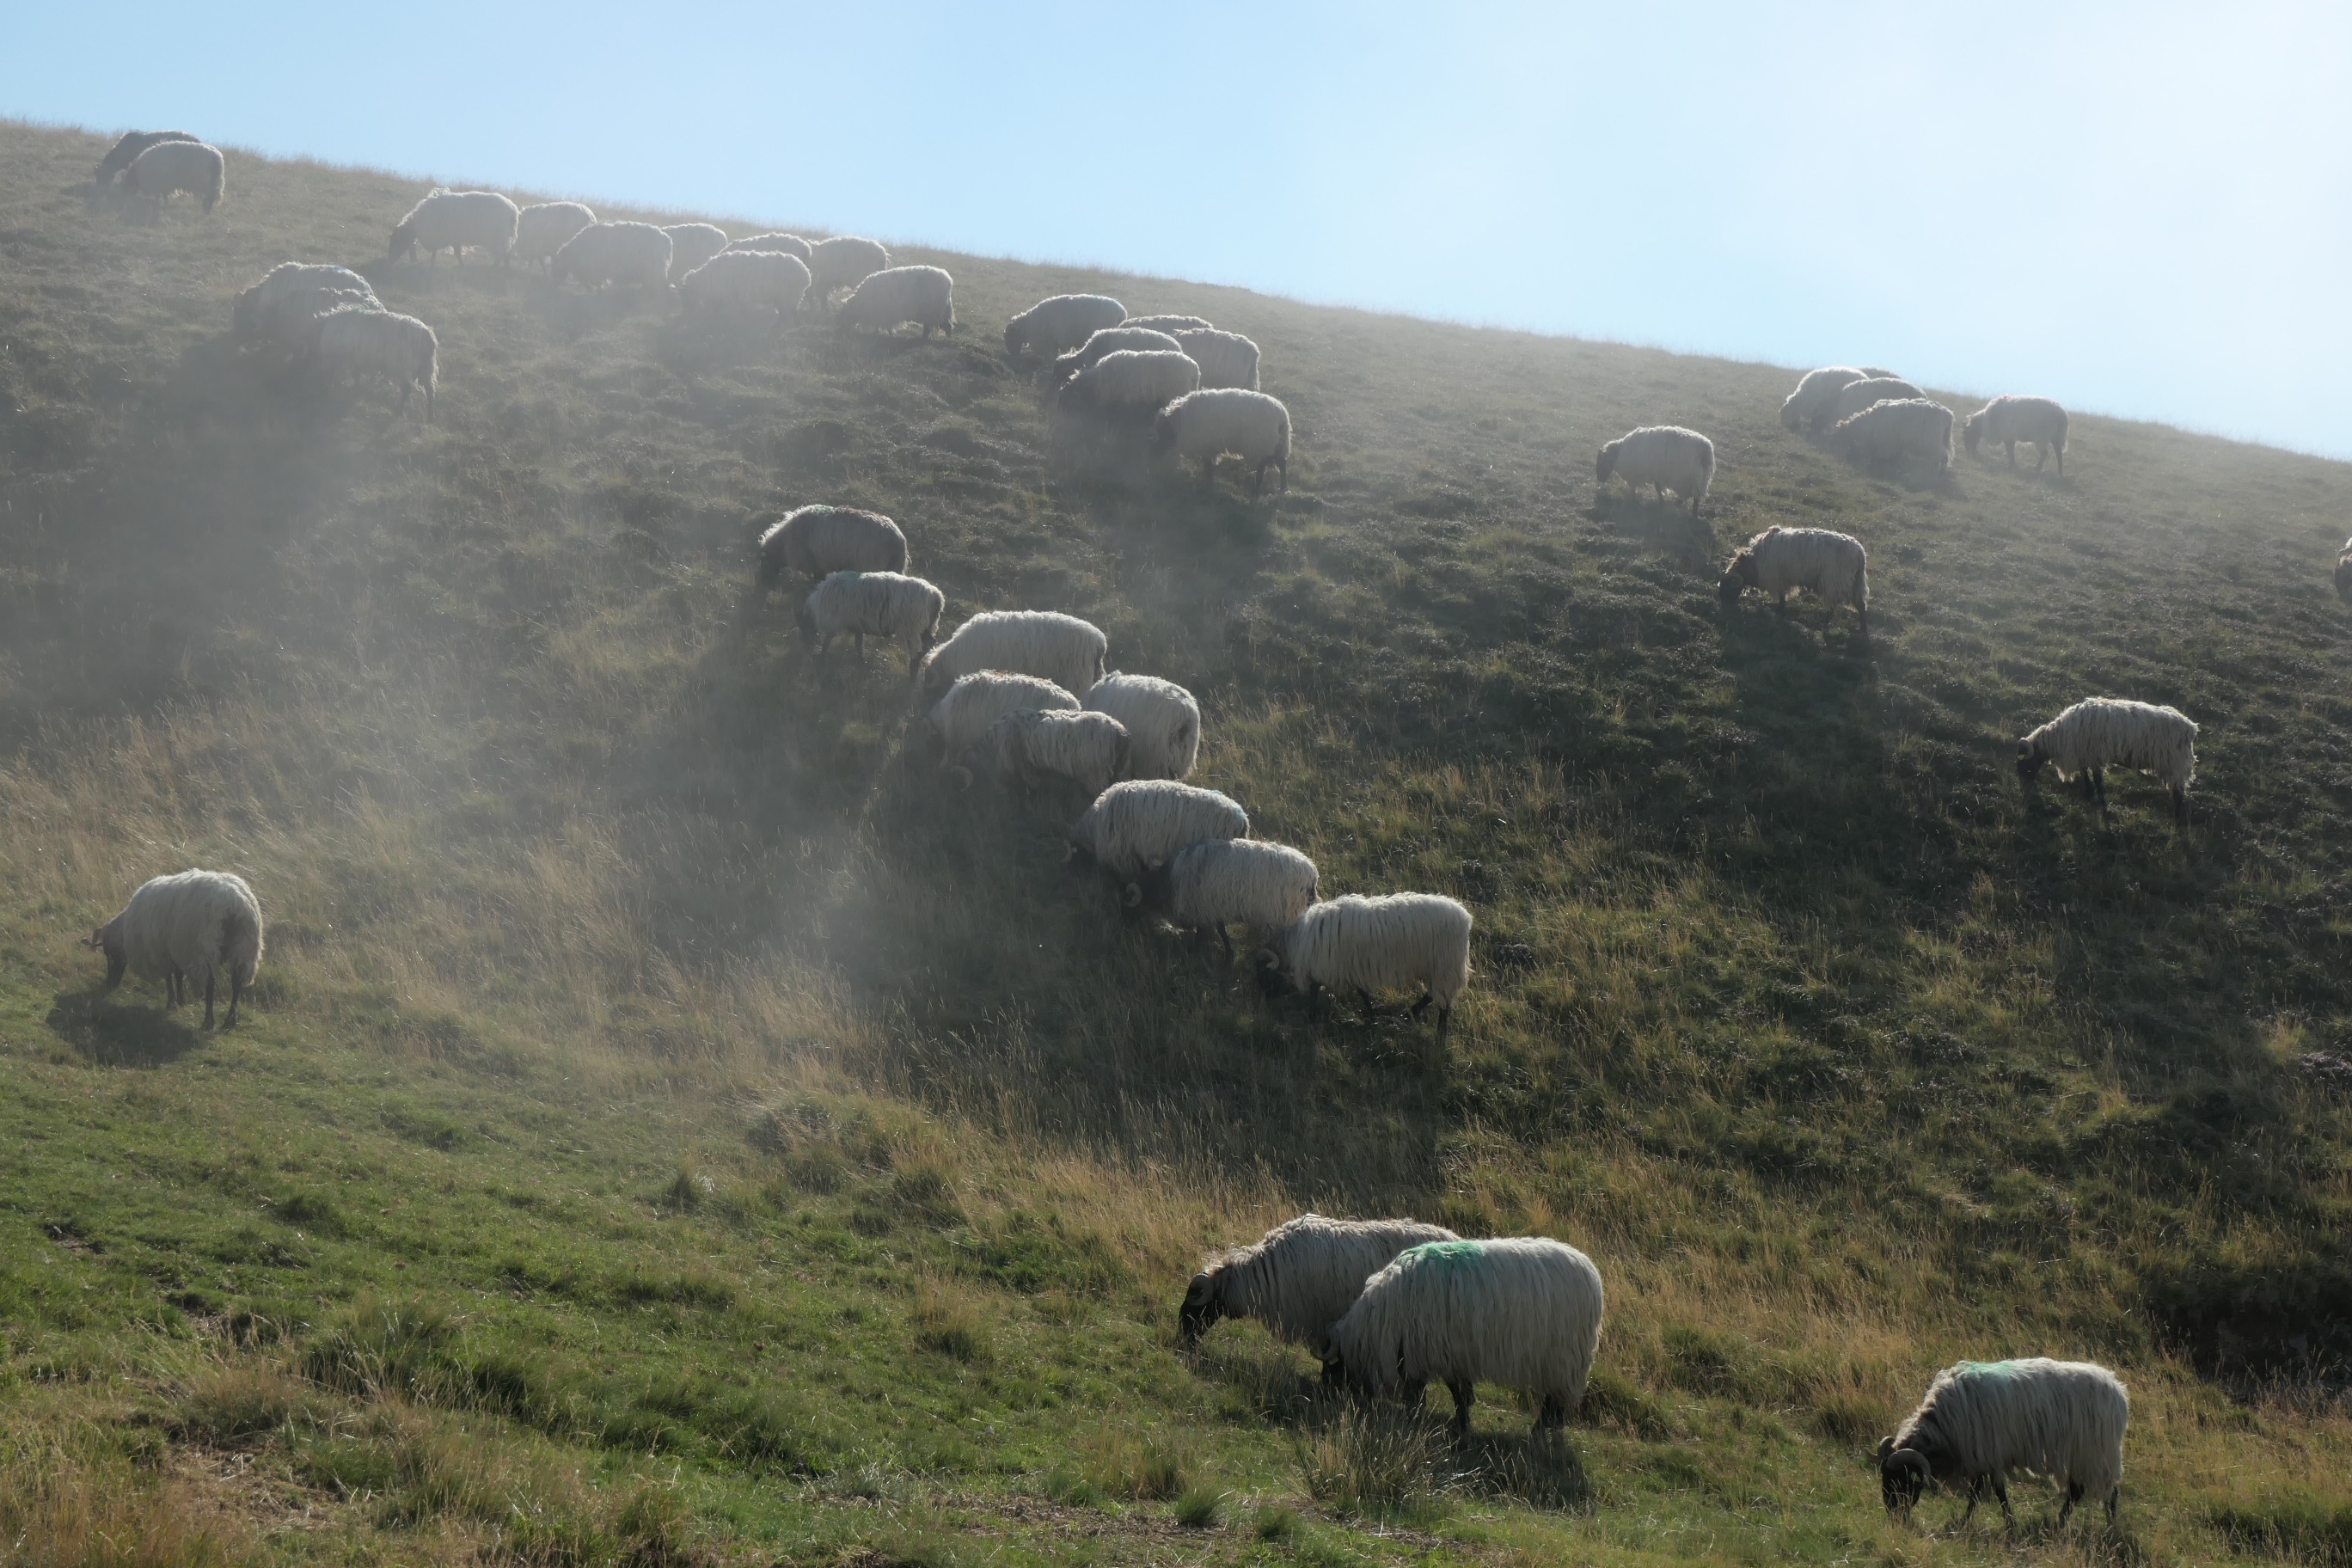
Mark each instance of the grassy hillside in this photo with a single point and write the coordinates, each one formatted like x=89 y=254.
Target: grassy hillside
x=670 y=1127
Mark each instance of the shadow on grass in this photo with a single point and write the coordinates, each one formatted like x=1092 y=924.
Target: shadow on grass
x=112 y=1034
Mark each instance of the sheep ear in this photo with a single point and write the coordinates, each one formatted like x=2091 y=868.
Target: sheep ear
x=1266 y=959
x=1885 y=1447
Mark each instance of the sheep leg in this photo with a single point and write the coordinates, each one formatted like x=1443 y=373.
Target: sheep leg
x=1226 y=936
x=208 y=999
x=2013 y=457
x=1976 y=1488
x=1372 y=1014
x=1444 y=1016
x=1422 y=1006
x=2041 y=455
x=2066 y=1508
x=1413 y=1391
x=1464 y=1392
x=235 y=990
x=2001 y=1490
x=1553 y=1416
x=2099 y=780
x=170 y=988
x=2180 y=806
x=2116 y=1496
x=861 y=647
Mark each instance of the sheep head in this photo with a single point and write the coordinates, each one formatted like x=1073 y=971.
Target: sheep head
x=1788 y=413
x=1608 y=464
x=1738 y=573
x=1271 y=980
x=1016 y=335
x=2030 y=761
x=1903 y=1474
x=404 y=240
x=1203 y=1305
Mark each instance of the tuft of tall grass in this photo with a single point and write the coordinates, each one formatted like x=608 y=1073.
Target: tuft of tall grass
x=1378 y=1463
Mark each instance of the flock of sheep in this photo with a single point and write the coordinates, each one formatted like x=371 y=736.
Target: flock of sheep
x=1024 y=698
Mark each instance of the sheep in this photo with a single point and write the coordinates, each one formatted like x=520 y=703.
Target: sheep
x=691 y=245
x=1898 y=431
x=1391 y=943
x=1053 y=646
x=815 y=542
x=1815 y=392
x=545 y=228
x=358 y=341
x=176 y=929
x=961 y=717
x=1856 y=395
x=873 y=604
x=251 y=315
x=790 y=244
x=746 y=281
x=1171 y=324
x=1109 y=340
x=1054 y=326
x=1524 y=1311
x=924 y=295
x=120 y=156
x=1664 y=457
x=842 y=262
x=453 y=220
x=2102 y=733
x=1210 y=886
x=1161 y=718
x=1226 y=359
x=1980 y=1420
x=1833 y=567
x=1137 y=824
x=1032 y=745
x=2344 y=571
x=2008 y=419
x=1208 y=424
x=170 y=166
x=291 y=328
x=607 y=252
x=1299 y=1277
x=1130 y=382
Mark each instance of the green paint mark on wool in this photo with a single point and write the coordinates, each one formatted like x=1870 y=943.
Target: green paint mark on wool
x=1443 y=1252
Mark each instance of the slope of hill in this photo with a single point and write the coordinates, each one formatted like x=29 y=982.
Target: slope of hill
x=672 y=1126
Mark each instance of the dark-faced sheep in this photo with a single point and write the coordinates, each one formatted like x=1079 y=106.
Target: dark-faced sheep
x=1047 y=644
x=2103 y=732
x=194 y=925
x=1833 y=567
x=1299 y=1277
x=1398 y=942
x=1056 y=326
x=815 y=542
x=120 y=156
x=2008 y=419
x=1663 y=457
x=863 y=605
x=2062 y=1420
x=1142 y=822
x=168 y=167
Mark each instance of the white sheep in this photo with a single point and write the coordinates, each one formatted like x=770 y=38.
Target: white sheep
x=455 y=220
x=1226 y=359
x=1138 y=823
x=1131 y=381
x=1664 y=457
x=1980 y=1420
x=2344 y=571
x=1032 y=745
x=1299 y=1277
x=691 y=245
x=197 y=924
x=120 y=156
x=250 y=316
x=1808 y=406
x=606 y=252
x=545 y=227
x=1856 y=395
x=815 y=542
x=1171 y=324
x=745 y=281
x=790 y=244
x=962 y=719
x=924 y=295
x=1210 y=886
x=1110 y=339
x=842 y=262
x=907 y=610
x=1047 y=644
x=1524 y=1311
x=2102 y=733
x=1206 y=425
x=170 y=166
x=1161 y=718
x=368 y=341
x=1895 y=433
x=1389 y=943
x=2010 y=418
x=1054 y=326
x=1833 y=567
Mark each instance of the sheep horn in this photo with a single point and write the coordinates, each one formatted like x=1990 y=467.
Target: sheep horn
x=1134 y=895
x=1911 y=1459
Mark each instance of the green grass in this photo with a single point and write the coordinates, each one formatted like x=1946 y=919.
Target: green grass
x=670 y=1128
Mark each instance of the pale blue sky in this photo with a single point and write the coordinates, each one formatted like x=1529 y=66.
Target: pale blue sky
x=2141 y=209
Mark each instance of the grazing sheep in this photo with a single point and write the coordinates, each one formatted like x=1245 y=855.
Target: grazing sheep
x=1808 y=406
x=1137 y=824
x=453 y=220
x=1299 y=1277
x=815 y=542
x=1207 y=425
x=1664 y=457
x=960 y=720
x=1226 y=359
x=1171 y=324
x=1054 y=326
x=250 y=316
x=907 y=610
x=1033 y=745
x=1053 y=646
x=2344 y=571
x=1131 y=381
x=842 y=262
x=1833 y=567
x=290 y=330
x=1524 y=1311
x=924 y=295
x=170 y=166
x=545 y=228
x=120 y=156
x=607 y=252
x=1856 y=395
x=790 y=244
x=2102 y=733
x=364 y=339
x=1895 y=433
x=691 y=245
x=746 y=281
x=1388 y=944
x=1207 y=886
x=2062 y=1420
x=177 y=928
x=2008 y=419
x=1161 y=718
x=1110 y=339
